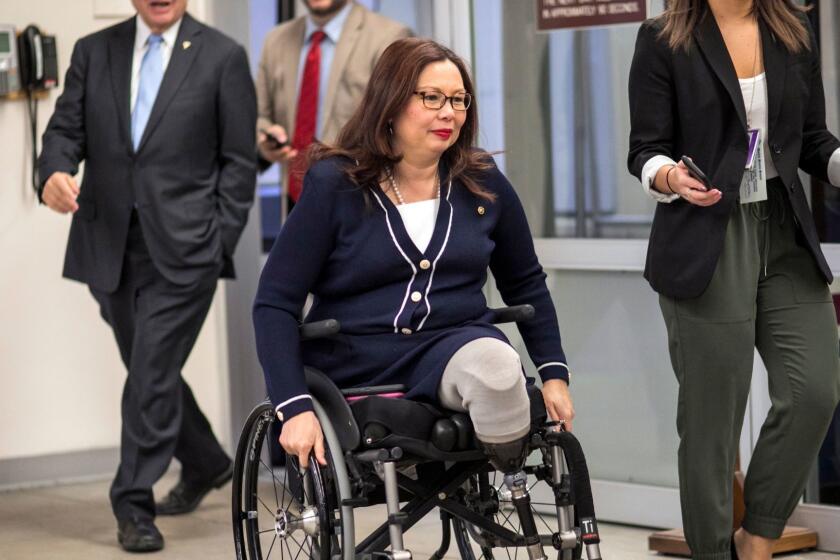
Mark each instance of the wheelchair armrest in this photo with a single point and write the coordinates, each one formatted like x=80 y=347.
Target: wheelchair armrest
x=319 y=329
x=515 y=314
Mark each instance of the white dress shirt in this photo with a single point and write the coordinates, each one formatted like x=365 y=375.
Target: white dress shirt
x=332 y=30
x=141 y=39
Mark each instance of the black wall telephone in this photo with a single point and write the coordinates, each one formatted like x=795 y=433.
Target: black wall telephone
x=38 y=60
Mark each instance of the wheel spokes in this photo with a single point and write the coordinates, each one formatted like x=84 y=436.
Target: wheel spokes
x=505 y=516
x=270 y=548
x=295 y=493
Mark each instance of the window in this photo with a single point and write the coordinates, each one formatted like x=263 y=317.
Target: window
x=557 y=105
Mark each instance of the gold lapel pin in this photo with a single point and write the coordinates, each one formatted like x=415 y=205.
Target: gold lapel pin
x=480 y=210
x=186 y=44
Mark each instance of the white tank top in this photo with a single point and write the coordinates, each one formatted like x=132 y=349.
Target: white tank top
x=419 y=220
x=754 y=91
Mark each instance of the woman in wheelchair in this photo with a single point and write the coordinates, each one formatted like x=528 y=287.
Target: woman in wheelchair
x=395 y=229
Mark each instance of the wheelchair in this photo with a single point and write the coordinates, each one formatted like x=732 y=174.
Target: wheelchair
x=381 y=449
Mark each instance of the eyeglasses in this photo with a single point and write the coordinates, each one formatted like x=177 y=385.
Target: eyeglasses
x=436 y=100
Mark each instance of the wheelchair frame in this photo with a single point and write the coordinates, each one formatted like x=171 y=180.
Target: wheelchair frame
x=573 y=508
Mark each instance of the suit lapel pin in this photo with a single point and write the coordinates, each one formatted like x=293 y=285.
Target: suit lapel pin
x=186 y=44
x=480 y=210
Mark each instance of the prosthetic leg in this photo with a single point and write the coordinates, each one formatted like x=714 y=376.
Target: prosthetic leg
x=509 y=458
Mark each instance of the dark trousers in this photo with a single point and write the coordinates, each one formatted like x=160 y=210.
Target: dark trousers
x=156 y=324
x=766 y=293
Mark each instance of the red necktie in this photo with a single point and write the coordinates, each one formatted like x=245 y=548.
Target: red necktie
x=307 y=114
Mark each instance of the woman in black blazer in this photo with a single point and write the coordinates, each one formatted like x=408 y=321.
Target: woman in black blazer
x=736 y=85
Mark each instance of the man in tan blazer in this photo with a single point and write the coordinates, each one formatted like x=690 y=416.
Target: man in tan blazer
x=344 y=40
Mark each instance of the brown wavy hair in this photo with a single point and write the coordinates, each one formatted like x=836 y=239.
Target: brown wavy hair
x=682 y=17
x=366 y=137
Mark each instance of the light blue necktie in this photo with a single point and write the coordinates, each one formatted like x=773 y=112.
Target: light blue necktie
x=151 y=74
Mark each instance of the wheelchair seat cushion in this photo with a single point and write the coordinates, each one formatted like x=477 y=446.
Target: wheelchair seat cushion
x=423 y=429
x=403 y=417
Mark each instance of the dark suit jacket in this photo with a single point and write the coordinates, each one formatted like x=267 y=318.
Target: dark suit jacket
x=192 y=178
x=691 y=103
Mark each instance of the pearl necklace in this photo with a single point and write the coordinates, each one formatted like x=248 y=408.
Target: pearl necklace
x=400 y=199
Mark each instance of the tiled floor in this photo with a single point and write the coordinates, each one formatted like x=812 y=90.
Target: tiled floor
x=73 y=522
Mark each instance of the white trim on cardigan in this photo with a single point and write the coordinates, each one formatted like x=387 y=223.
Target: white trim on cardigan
x=288 y=402
x=440 y=253
x=411 y=264
x=553 y=364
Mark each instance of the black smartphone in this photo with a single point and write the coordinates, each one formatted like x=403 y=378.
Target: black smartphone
x=272 y=141
x=695 y=172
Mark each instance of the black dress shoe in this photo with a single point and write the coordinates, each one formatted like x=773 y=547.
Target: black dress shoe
x=186 y=496
x=139 y=535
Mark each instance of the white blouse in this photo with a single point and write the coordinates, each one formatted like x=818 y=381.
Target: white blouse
x=419 y=220
x=757 y=117
x=754 y=92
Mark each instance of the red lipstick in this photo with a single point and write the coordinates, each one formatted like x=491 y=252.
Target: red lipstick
x=443 y=133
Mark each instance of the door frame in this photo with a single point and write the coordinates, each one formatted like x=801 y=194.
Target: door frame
x=620 y=502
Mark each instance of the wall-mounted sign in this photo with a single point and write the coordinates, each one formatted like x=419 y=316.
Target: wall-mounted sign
x=566 y=14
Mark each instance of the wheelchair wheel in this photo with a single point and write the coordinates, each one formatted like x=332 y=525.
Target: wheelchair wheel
x=281 y=512
x=487 y=494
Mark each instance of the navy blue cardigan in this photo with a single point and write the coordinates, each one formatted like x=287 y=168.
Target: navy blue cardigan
x=403 y=312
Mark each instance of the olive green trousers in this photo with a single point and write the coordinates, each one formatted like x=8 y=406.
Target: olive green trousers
x=766 y=293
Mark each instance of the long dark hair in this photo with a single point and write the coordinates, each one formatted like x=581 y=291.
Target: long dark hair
x=366 y=138
x=682 y=17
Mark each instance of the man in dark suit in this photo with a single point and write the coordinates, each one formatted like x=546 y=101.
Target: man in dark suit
x=162 y=109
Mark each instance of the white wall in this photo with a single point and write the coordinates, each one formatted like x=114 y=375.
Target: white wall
x=60 y=373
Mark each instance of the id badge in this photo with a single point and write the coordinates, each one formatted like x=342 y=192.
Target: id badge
x=754 y=181
x=752 y=147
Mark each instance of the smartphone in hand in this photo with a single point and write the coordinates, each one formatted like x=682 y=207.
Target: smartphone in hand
x=695 y=172
x=273 y=142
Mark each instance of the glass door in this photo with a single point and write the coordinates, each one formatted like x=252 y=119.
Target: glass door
x=820 y=509
x=555 y=106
